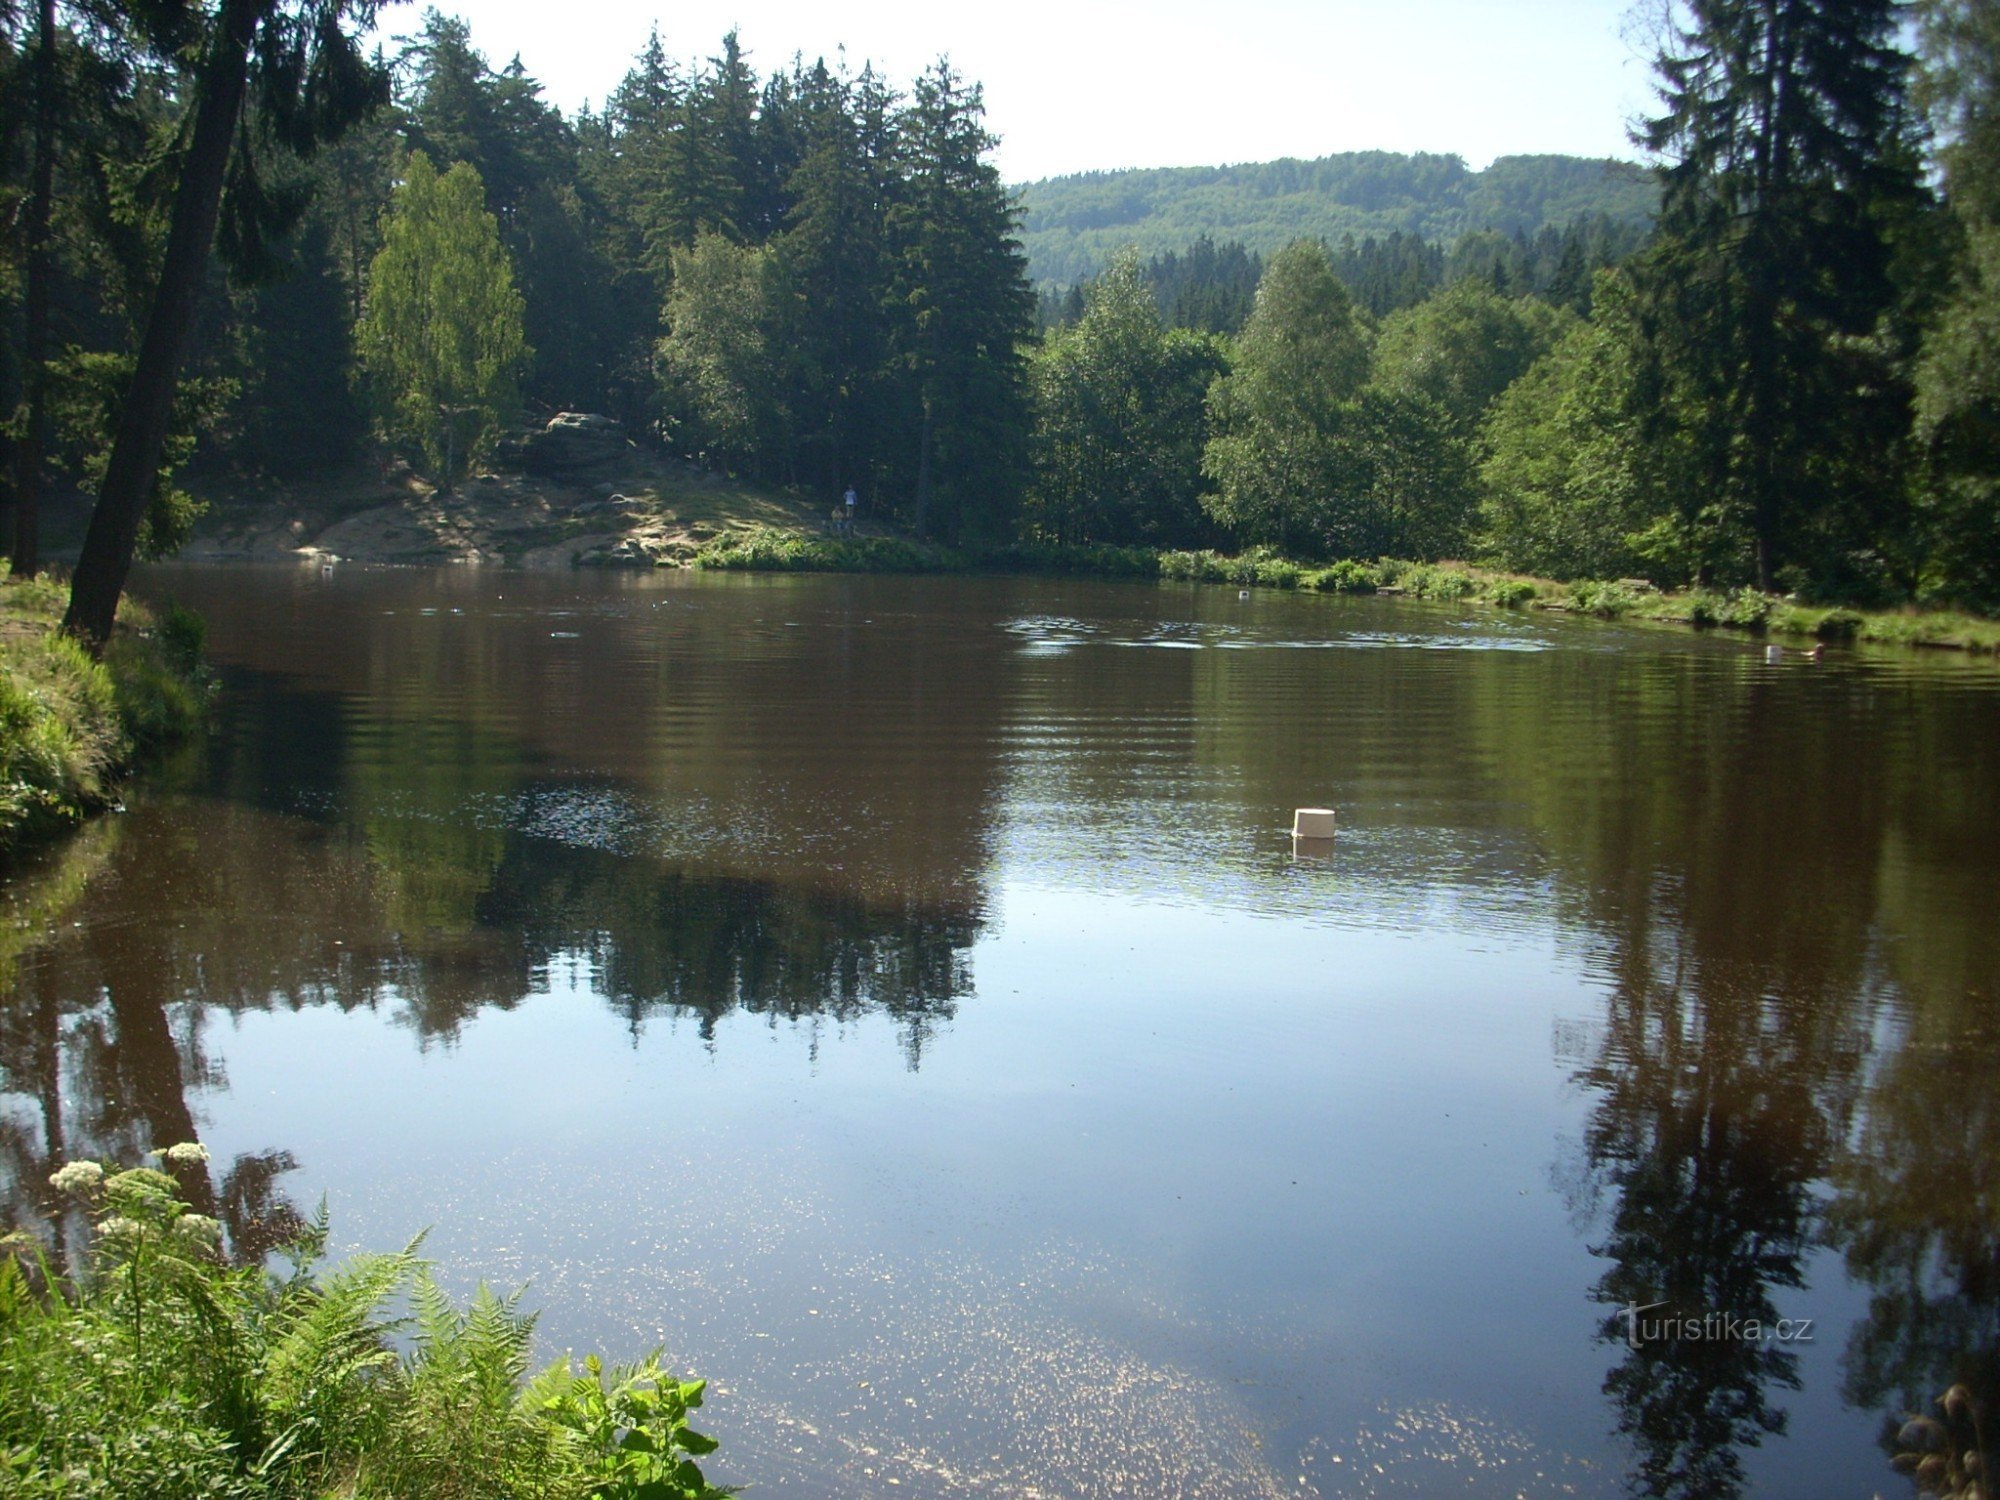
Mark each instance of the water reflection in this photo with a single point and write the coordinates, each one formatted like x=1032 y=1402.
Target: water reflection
x=1758 y=900
x=1751 y=1078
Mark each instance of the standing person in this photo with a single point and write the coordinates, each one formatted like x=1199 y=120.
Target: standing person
x=848 y=500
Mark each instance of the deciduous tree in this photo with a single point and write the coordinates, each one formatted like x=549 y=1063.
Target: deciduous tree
x=440 y=337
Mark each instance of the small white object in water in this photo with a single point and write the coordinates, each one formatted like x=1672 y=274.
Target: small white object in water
x=1312 y=823
x=1243 y=593
x=1774 y=654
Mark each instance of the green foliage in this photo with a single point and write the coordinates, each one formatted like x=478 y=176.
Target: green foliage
x=1609 y=601
x=1119 y=421
x=1304 y=455
x=1283 y=474
x=1771 y=345
x=718 y=351
x=960 y=285
x=440 y=338
x=1348 y=576
x=69 y=725
x=1559 y=478
x=1958 y=426
x=767 y=550
x=87 y=391
x=161 y=1368
x=1959 y=87
x=1463 y=347
x=635 y=1427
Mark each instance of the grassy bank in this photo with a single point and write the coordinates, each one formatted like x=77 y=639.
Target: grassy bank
x=70 y=726
x=174 y=1364
x=768 y=550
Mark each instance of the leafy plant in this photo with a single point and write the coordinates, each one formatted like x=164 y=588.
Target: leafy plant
x=161 y=1368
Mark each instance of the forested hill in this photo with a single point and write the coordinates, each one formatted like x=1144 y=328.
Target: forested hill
x=1073 y=224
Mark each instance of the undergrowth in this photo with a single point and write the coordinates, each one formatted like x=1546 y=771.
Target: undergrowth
x=162 y=1368
x=69 y=726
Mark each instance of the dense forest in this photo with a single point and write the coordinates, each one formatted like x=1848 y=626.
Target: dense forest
x=813 y=277
x=1072 y=226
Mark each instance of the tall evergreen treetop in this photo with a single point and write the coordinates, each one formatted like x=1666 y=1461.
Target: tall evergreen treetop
x=1787 y=163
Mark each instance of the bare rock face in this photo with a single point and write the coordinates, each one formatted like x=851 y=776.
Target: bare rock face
x=571 y=443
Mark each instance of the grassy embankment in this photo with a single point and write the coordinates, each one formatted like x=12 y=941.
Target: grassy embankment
x=70 y=726
x=766 y=549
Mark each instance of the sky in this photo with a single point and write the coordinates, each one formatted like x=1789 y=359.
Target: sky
x=1085 y=85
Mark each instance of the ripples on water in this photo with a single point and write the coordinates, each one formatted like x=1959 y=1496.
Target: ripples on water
x=903 y=999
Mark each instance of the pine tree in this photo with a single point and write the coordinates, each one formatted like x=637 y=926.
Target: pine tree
x=835 y=263
x=303 y=81
x=1787 y=170
x=965 y=309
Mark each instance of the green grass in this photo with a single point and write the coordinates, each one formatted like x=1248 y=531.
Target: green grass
x=163 y=1366
x=70 y=726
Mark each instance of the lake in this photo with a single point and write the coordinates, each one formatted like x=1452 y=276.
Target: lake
x=902 y=999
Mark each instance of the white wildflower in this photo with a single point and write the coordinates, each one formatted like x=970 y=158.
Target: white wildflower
x=118 y=1226
x=186 y=1154
x=77 y=1177
x=199 y=1228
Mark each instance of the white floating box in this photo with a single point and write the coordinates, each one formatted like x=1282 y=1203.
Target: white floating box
x=1312 y=823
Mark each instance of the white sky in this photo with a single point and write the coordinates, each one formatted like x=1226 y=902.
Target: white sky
x=1080 y=86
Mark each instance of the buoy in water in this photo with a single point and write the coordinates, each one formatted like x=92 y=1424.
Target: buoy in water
x=1312 y=823
x=1774 y=654
x=1243 y=593
x=1312 y=848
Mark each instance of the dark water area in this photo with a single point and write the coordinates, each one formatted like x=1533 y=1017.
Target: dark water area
x=902 y=999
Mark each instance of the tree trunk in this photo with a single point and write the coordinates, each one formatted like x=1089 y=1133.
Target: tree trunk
x=134 y=465
x=923 y=516
x=25 y=540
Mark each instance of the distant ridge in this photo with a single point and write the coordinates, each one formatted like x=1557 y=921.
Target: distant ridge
x=1072 y=225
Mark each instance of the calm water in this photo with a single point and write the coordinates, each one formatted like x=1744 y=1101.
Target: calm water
x=902 y=999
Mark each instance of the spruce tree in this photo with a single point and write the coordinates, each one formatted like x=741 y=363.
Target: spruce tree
x=1787 y=171
x=965 y=311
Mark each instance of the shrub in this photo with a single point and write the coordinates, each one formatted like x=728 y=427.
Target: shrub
x=1610 y=601
x=70 y=725
x=1512 y=593
x=766 y=550
x=162 y=1369
x=1746 y=609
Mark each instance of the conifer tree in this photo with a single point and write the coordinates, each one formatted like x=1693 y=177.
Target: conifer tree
x=965 y=309
x=1787 y=174
x=301 y=77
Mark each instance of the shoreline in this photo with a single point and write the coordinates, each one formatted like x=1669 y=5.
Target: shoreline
x=72 y=729
x=1743 y=610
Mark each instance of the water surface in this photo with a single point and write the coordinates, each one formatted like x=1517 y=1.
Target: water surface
x=901 y=999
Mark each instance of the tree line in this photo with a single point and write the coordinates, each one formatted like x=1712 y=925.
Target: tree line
x=808 y=276
x=1793 y=383
x=813 y=278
